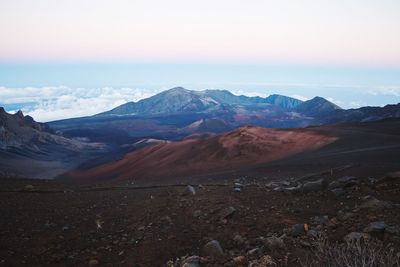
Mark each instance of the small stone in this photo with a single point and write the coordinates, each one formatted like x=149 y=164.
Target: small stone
x=338 y=192
x=293 y=189
x=191 y=261
x=313 y=186
x=272 y=185
x=213 y=249
x=298 y=230
x=197 y=214
x=376 y=227
x=274 y=243
x=189 y=190
x=240 y=261
x=93 y=262
x=312 y=233
x=376 y=204
x=346 y=181
x=253 y=251
x=191 y=264
x=305 y=244
x=227 y=213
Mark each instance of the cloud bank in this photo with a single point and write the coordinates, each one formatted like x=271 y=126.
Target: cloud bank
x=61 y=102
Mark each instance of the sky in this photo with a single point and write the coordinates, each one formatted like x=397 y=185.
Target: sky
x=61 y=59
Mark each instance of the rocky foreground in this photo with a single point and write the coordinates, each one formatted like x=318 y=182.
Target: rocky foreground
x=242 y=222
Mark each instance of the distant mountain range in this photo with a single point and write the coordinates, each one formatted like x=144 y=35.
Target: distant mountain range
x=177 y=113
x=180 y=100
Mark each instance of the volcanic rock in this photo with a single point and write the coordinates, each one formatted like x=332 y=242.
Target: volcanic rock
x=376 y=227
x=213 y=249
x=313 y=186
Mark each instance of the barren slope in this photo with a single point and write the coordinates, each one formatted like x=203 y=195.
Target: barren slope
x=240 y=148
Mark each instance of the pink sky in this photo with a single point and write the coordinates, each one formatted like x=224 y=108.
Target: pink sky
x=352 y=32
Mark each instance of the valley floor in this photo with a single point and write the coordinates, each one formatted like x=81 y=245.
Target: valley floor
x=50 y=223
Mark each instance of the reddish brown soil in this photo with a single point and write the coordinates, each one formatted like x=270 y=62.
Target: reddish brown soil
x=54 y=224
x=246 y=146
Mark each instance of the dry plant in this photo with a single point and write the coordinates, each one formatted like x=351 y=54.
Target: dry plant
x=356 y=253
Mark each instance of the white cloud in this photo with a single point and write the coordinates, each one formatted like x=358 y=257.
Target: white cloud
x=386 y=90
x=336 y=101
x=248 y=93
x=300 y=97
x=61 y=102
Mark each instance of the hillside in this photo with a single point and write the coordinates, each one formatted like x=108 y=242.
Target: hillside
x=240 y=148
x=31 y=149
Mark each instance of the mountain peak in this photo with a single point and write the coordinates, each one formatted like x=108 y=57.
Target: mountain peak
x=317 y=106
x=19 y=114
x=178 y=89
x=321 y=100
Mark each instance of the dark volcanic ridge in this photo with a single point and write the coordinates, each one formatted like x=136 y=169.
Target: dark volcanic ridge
x=32 y=149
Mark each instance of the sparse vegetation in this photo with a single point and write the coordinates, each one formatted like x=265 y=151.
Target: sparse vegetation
x=356 y=253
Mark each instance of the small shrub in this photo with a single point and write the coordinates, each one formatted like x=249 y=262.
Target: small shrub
x=355 y=253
